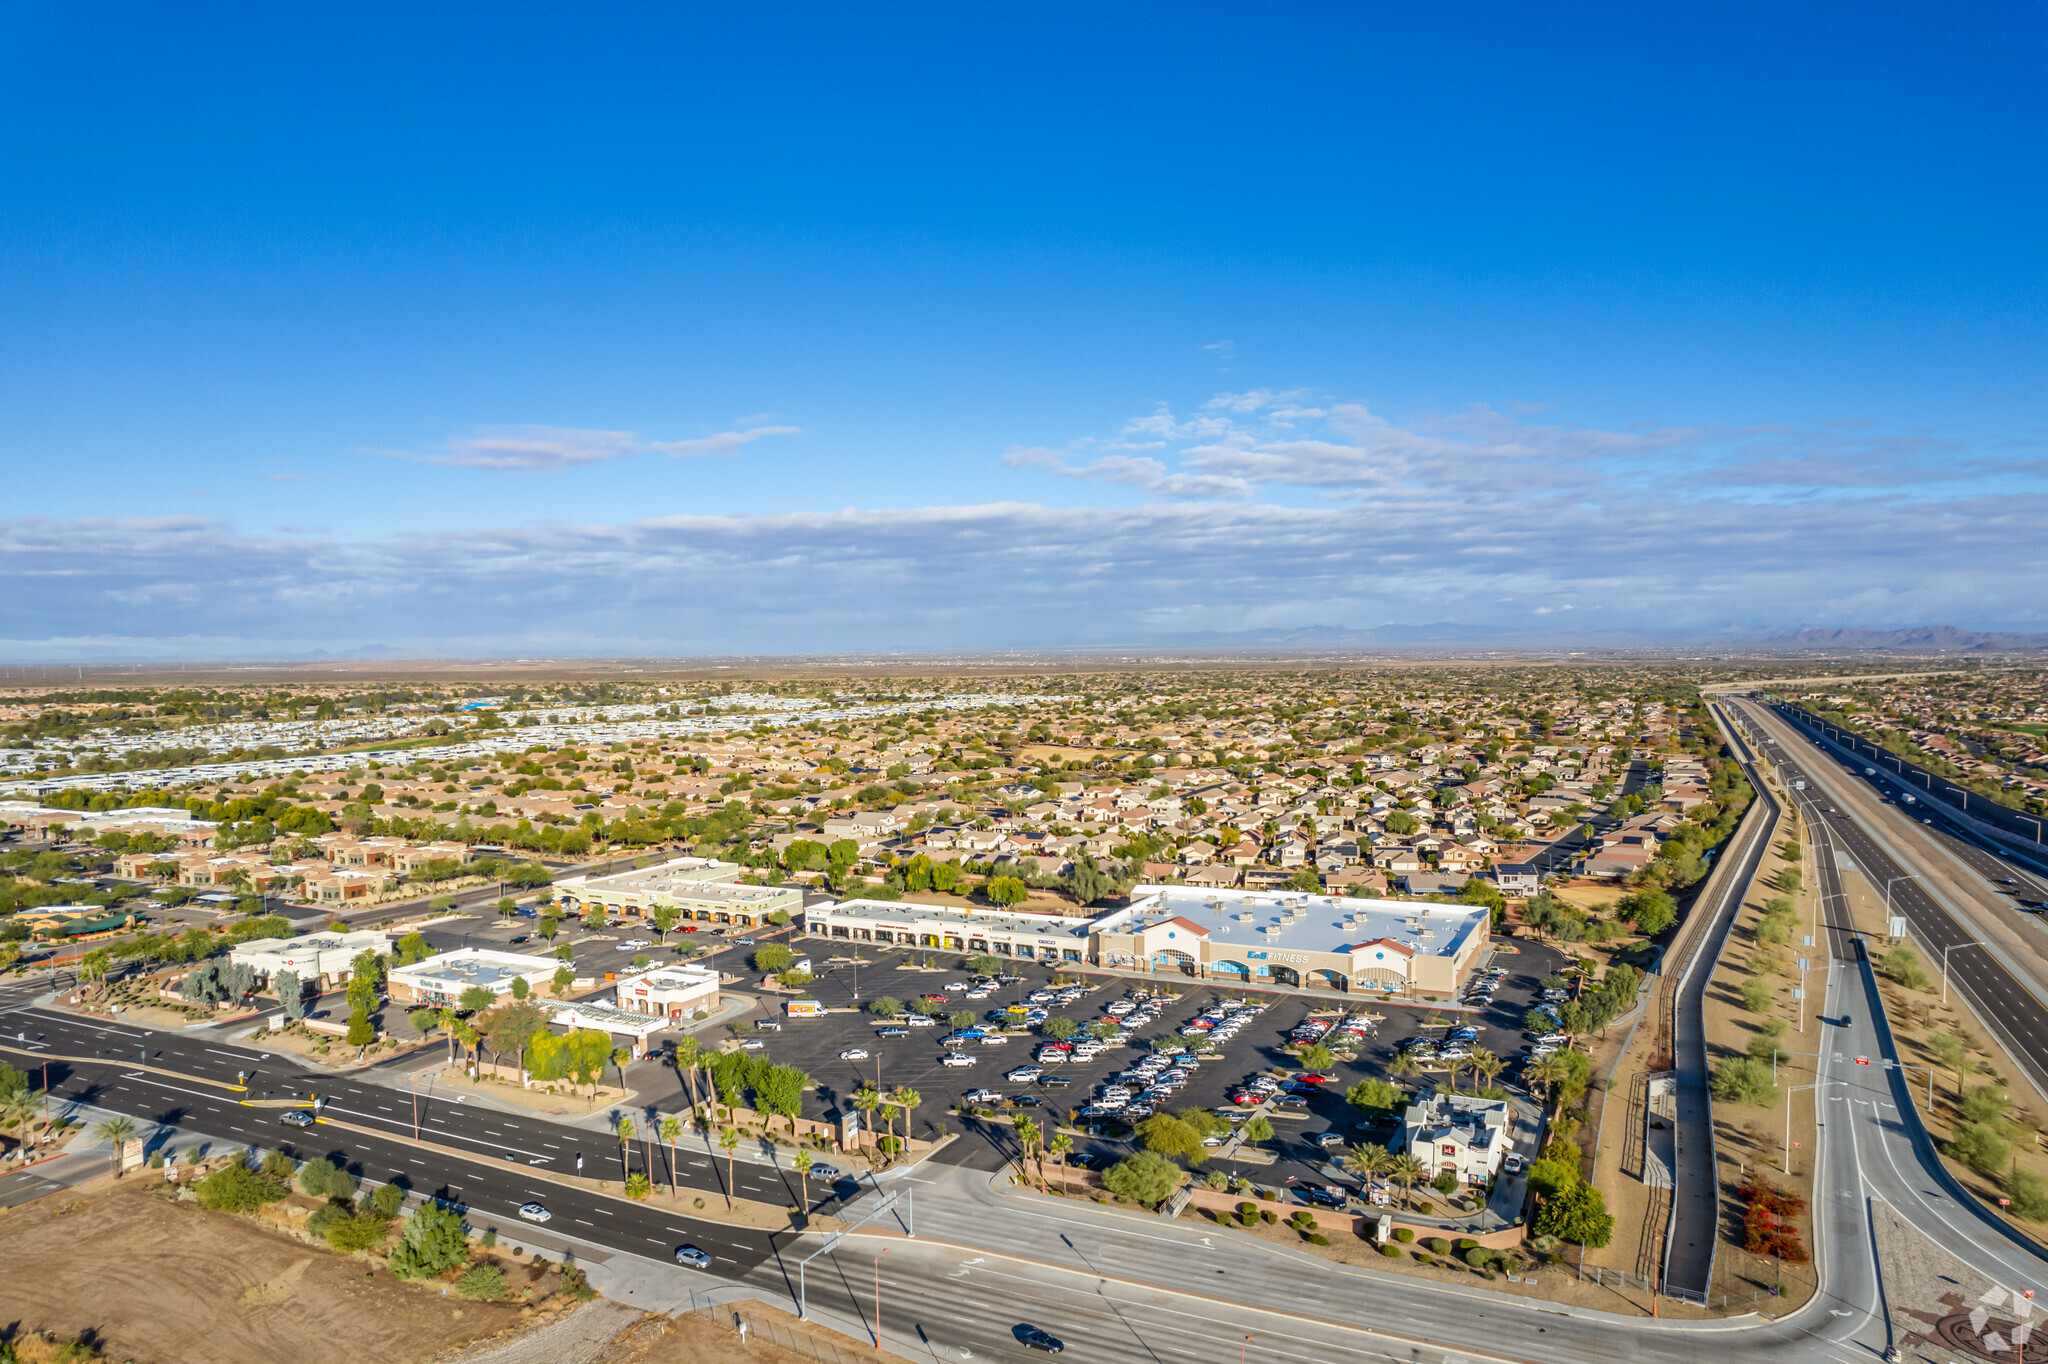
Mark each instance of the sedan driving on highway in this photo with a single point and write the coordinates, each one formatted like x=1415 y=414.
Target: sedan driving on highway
x=534 y=1212
x=693 y=1257
x=297 y=1117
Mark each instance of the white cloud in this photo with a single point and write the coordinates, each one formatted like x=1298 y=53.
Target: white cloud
x=546 y=449
x=1135 y=471
x=725 y=442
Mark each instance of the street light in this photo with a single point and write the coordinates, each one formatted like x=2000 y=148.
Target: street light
x=878 y=1298
x=1909 y=876
x=1790 y=1090
x=1946 y=948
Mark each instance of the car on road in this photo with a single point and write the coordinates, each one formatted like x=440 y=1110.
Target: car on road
x=297 y=1117
x=534 y=1212
x=744 y=942
x=831 y=1174
x=1321 y=1197
x=1329 y=1140
x=693 y=1257
x=1032 y=1338
x=854 y=1054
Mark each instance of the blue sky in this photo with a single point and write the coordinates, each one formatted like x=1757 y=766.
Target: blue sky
x=515 y=330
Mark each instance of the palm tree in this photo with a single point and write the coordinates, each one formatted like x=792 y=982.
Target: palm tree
x=671 y=1128
x=1545 y=1074
x=866 y=1100
x=686 y=1061
x=625 y=1146
x=620 y=1056
x=119 y=1130
x=803 y=1164
x=446 y=1023
x=904 y=1099
x=1062 y=1146
x=728 y=1142
x=1403 y=1066
x=1027 y=1137
x=1485 y=1065
x=1368 y=1160
x=1407 y=1172
x=15 y=1112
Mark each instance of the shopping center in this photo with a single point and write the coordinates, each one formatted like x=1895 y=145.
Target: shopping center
x=1389 y=947
x=700 y=889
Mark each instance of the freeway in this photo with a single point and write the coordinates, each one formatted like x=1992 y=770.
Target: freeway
x=2002 y=974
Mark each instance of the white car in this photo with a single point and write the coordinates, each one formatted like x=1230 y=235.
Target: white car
x=534 y=1212
x=1024 y=1075
x=954 y=1058
x=854 y=1054
x=956 y=985
x=920 y=1021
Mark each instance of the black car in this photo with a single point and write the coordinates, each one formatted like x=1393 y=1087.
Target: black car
x=1025 y=1101
x=1057 y=1081
x=1031 y=1338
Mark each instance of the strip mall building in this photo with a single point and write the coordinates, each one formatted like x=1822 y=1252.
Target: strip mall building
x=1401 y=949
x=699 y=889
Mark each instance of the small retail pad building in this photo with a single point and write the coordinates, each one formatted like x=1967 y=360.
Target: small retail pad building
x=700 y=889
x=1388 y=947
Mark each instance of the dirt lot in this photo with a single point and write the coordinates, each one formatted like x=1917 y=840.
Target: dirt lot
x=163 y=1282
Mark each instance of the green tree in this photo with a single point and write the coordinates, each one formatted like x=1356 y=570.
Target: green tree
x=361 y=1031
x=1755 y=994
x=1147 y=1177
x=1172 y=1137
x=728 y=1142
x=887 y=1006
x=1577 y=1214
x=1741 y=1080
x=1259 y=1129
x=314 y=1174
x=1316 y=1056
x=1953 y=1050
x=432 y=1242
x=772 y=957
x=1006 y=890
x=1979 y=1146
x=1059 y=1029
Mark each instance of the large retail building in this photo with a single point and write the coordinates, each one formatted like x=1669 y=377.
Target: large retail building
x=1390 y=947
x=700 y=889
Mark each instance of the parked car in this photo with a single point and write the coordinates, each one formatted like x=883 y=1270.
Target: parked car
x=892 y=1032
x=854 y=1054
x=956 y=1059
x=981 y=1096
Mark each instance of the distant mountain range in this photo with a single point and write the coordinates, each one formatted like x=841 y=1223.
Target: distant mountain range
x=1916 y=640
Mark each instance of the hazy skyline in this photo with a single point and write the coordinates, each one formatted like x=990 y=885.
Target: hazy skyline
x=637 y=331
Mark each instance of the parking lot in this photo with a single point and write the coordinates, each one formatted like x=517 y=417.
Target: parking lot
x=913 y=1060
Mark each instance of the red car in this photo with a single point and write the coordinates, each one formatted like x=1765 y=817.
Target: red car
x=940 y=999
x=1314 y=1079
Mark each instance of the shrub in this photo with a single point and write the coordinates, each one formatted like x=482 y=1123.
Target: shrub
x=2029 y=1195
x=1985 y=1103
x=1768 y=1225
x=1268 y=1216
x=1392 y=1252
x=1479 y=1257
x=362 y=1231
x=1438 y=1245
x=1740 y=1080
x=237 y=1188
x=481 y=1283
x=1446 y=1181
x=1404 y=1234
x=637 y=1185
x=341 y=1186
x=1902 y=964
x=433 y=1241
x=1979 y=1146
x=1755 y=995
x=1465 y=1243
x=388 y=1199
x=314 y=1174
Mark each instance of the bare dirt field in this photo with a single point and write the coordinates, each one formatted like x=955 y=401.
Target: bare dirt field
x=163 y=1282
